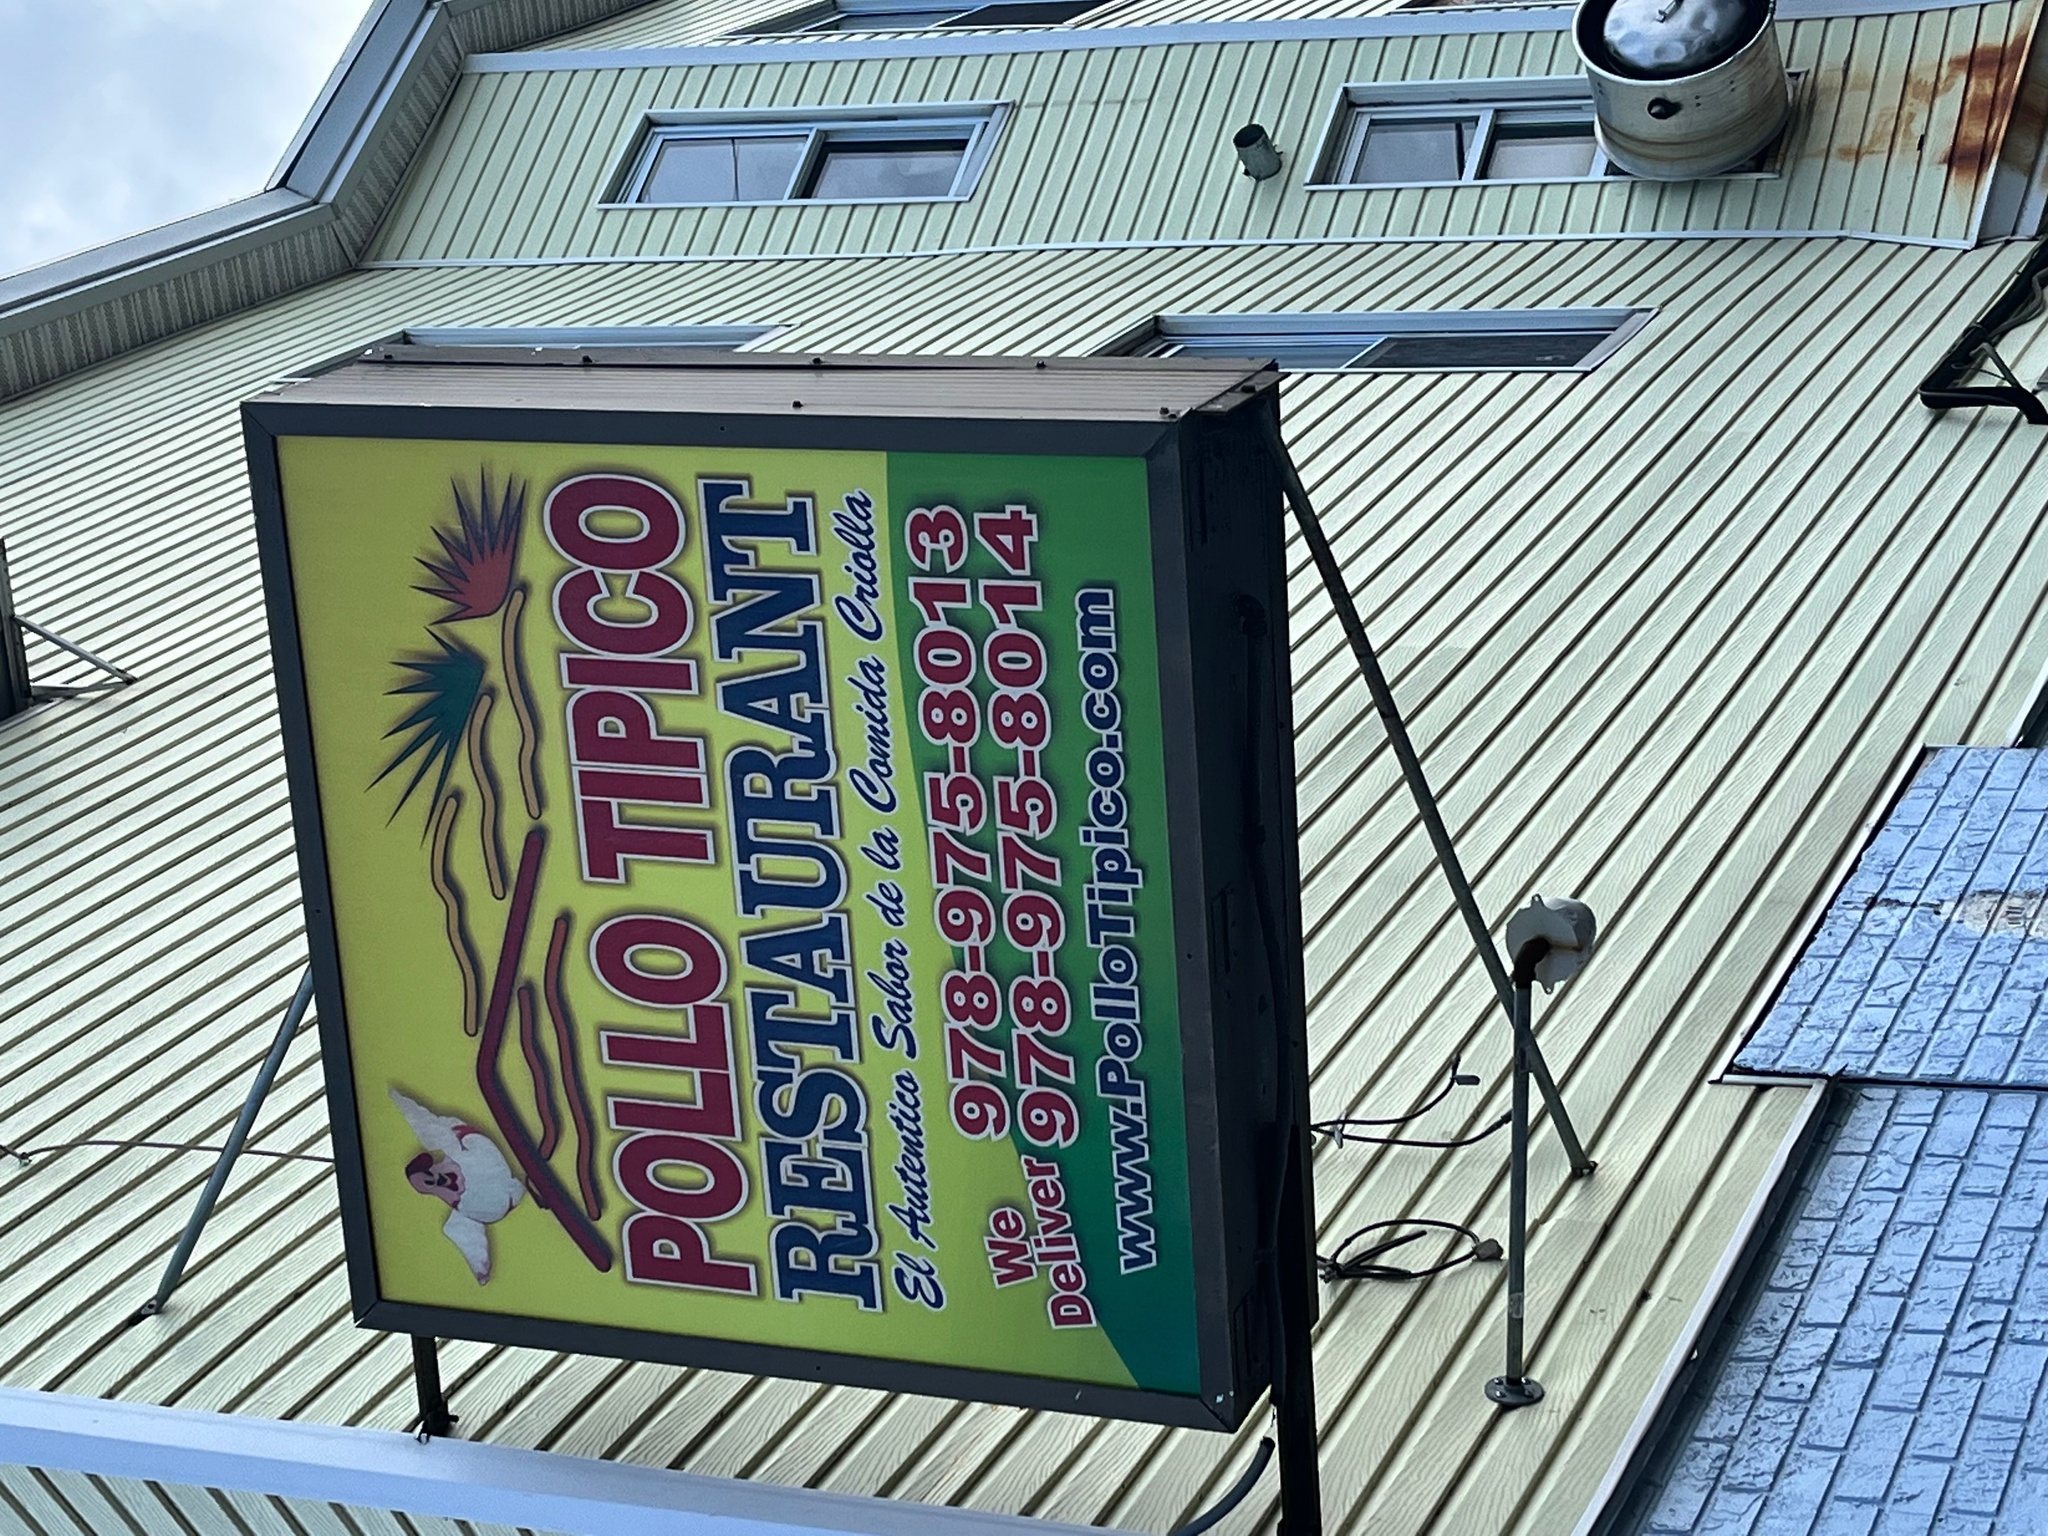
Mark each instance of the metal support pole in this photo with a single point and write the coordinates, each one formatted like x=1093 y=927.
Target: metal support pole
x=174 y=1272
x=1294 y=1386
x=121 y=677
x=1418 y=785
x=435 y=1419
x=1513 y=1388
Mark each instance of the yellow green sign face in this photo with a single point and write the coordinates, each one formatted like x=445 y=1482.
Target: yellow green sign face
x=749 y=876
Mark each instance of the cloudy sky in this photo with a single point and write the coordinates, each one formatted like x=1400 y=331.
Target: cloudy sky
x=116 y=115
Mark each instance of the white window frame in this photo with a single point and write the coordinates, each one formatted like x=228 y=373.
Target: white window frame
x=1156 y=336
x=1525 y=99
x=980 y=123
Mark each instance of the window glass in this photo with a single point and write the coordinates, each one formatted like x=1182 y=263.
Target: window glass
x=1412 y=132
x=1022 y=13
x=1549 y=151
x=1402 y=149
x=1287 y=351
x=887 y=168
x=884 y=21
x=850 y=157
x=1496 y=349
x=746 y=168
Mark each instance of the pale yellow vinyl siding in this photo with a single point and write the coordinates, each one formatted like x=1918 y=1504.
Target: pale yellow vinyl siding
x=1132 y=144
x=1662 y=631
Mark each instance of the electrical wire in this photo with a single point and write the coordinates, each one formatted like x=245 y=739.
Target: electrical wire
x=1346 y=1138
x=1215 y=1513
x=1342 y=1130
x=1364 y=1265
x=1452 y=1079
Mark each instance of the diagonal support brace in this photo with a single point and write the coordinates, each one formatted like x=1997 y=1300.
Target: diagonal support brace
x=1418 y=785
x=174 y=1272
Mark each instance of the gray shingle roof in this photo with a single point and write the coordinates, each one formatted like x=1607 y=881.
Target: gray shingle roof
x=1886 y=1374
x=1885 y=1370
x=1931 y=964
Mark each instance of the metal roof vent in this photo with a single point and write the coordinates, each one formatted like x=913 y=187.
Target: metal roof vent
x=1682 y=88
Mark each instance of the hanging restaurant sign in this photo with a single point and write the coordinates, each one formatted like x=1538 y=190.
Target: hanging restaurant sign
x=787 y=882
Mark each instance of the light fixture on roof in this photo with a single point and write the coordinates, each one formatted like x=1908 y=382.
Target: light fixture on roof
x=1255 y=152
x=1550 y=940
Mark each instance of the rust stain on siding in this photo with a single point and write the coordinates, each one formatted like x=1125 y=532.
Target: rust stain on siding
x=1990 y=76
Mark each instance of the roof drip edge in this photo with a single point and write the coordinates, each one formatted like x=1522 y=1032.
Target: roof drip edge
x=68 y=314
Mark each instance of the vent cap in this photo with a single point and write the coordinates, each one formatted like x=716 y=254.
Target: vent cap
x=1667 y=39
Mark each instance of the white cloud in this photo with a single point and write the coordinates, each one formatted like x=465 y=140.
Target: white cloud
x=118 y=115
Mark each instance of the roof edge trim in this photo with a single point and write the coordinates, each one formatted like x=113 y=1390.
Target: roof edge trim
x=325 y=200
x=1738 y=1259
x=1447 y=22
x=153 y=254
x=294 y=152
x=356 y=95
x=455 y=1479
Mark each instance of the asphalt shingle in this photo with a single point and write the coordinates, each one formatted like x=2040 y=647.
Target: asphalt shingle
x=1886 y=1372
x=1931 y=964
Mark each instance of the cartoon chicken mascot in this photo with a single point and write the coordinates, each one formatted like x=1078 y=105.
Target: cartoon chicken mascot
x=463 y=1167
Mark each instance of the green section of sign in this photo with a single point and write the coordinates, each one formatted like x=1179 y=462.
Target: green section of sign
x=1005 y=567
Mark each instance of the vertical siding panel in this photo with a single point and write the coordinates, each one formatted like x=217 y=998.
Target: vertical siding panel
x=1986 y=104
x=1941 y=118
x=1901 y=56
x=1295 y=106
x=540 y=150
x=1075 y=148
x=1176 y=87
x=1215 y=194
x=1905 y=169
x=446 y=179
x=1804 y=172
x=1187 y=161
x=1032 y=202
x=1115 y=127
x=1249 y=210
x=404 y=226
x=1852 y=120
x=601 y=140
x=479 y=203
